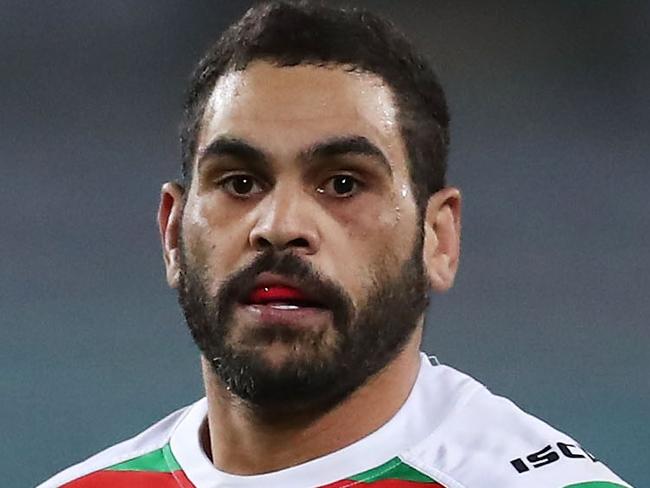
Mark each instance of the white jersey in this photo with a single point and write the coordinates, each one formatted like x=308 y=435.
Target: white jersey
x=450 y=433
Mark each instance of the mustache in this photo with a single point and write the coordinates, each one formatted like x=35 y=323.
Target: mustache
x=238 y=286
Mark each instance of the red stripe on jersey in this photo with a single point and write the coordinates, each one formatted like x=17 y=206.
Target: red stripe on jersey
x=131 y=479
x=389 y=483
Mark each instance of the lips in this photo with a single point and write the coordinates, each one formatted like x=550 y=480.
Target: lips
x=277 y=291
x=280 y=295
x=276 y=300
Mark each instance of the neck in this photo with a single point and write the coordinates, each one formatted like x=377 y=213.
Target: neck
x=242 y=442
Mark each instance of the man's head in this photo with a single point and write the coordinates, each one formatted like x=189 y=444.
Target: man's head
x=313 y=217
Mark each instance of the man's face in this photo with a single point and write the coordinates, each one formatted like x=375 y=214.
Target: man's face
x=301 y=258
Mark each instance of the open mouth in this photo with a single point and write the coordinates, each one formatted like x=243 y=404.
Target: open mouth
x=281 y=297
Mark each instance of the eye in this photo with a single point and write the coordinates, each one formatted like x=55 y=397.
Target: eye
x=241 y=186
x=340 y=186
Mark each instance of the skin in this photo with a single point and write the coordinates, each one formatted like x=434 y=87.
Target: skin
x=282 y=111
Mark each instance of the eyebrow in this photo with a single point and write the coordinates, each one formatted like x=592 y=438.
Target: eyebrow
x=234 y=147
x=345 y=145
x=329 y=148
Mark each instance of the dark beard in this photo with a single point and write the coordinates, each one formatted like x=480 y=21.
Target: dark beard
x=367 y=339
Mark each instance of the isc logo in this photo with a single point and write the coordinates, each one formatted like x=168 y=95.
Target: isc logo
x=550 y=454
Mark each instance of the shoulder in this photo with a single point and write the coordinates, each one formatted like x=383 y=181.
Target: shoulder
x=144 y=445
x=484 y=440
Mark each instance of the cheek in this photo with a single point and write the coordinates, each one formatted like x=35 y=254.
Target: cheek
x=368 y=217
x=211 y=243
x=385 y=225
x=377 y=237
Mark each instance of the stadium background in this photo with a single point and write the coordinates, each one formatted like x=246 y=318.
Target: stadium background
x=550 y=104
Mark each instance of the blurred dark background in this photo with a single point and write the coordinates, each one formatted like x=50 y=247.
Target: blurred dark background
x=551 y=115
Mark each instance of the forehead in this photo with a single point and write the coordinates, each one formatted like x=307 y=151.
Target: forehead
x=284 y=108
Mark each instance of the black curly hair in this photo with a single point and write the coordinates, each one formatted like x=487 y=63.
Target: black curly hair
x=290 y=33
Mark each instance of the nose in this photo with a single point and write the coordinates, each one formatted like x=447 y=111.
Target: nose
x=287 y=221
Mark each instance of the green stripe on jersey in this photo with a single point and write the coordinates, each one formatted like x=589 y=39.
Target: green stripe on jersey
x=395 y=469
x=159 y=461
x=596 y=484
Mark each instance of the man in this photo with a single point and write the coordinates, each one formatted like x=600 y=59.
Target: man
x=312 y=220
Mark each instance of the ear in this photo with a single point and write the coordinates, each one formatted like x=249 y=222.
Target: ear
x=442 y=238
x=170 y=215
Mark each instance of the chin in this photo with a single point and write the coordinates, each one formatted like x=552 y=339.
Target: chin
x=282 y=356
x=286 y=375
x=296 y=356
